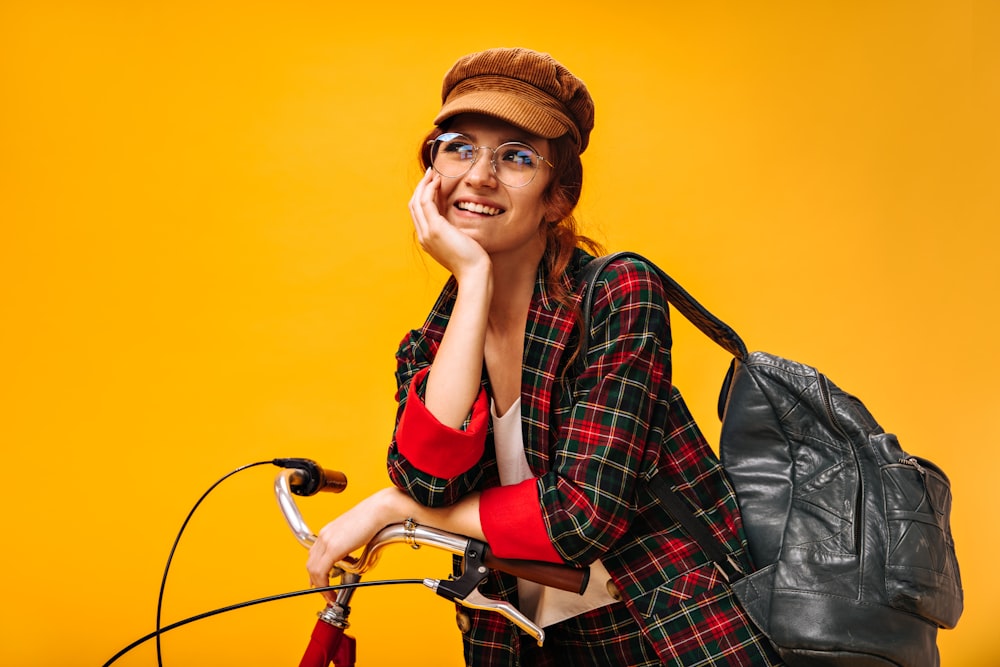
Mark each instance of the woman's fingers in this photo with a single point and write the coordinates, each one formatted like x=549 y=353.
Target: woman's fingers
x=421 y=192
x=427 y=220
x=336 y=540
x=319 y=565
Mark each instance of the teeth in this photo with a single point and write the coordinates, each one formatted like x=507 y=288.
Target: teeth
x=479 y=208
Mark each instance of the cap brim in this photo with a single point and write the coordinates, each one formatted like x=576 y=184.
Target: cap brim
x=510 y=107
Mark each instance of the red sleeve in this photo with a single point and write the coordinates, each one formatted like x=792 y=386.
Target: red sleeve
x=512 y=522
x=437 y=449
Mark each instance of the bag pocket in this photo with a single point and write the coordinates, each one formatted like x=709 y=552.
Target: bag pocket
x=922 y=574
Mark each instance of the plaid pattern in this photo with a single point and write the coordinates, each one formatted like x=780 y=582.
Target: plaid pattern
x=593 y=439
x=601 y=638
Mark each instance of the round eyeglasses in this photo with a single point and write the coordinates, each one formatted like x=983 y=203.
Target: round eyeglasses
x=514 y=163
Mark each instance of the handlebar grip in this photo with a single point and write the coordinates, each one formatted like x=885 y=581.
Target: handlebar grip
x=307 y=479
x=565 y=577
x=334 y=481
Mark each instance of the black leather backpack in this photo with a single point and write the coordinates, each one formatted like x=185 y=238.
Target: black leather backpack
x=850 y=535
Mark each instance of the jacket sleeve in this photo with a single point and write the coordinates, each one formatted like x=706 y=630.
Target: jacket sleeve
x=587 y=499
x=434 y=463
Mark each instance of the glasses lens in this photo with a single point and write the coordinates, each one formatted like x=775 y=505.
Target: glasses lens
x=452 y=154
x=516 y=163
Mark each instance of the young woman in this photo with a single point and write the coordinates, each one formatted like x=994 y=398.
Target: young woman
x=508 y=432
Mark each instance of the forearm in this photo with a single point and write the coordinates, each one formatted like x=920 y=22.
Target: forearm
x=456 y=372
x=461 y=518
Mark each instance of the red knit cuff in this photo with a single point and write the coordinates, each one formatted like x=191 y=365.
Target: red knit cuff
x=437 y=449
x=512 y=522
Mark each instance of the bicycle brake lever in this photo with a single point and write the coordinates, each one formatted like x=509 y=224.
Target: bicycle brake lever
x=465 y=591
x=476 y=600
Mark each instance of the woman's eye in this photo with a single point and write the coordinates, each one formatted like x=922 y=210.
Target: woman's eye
x=460 y=150
x=522 y=157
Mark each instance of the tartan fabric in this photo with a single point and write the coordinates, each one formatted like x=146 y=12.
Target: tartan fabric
x=603 y=637
x=593 y=439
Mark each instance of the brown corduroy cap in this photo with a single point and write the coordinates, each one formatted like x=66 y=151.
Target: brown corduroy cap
x=525 y=88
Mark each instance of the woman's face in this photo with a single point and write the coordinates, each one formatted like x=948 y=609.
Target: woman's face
x=501 y=218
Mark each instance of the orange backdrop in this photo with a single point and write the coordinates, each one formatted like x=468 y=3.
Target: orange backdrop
x=206 y=260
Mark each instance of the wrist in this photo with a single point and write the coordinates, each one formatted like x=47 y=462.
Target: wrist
x=393 y=505
x=476 y=276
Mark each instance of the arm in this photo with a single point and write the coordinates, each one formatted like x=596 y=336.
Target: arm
x=442 y=419
x=454 y=385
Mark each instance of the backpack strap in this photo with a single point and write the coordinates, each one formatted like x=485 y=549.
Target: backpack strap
x=677 y=296
x=724 y=562
x=725 y=337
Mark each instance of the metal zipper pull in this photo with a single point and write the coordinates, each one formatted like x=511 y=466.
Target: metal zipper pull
x=913 y=463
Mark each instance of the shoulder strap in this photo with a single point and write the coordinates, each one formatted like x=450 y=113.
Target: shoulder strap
x=677 y=296
x=724 y=562
x=725 y=337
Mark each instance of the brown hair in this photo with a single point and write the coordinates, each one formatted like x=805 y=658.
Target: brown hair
x=561 y=195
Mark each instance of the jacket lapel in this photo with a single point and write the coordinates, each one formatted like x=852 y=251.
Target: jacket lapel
x=549 y=341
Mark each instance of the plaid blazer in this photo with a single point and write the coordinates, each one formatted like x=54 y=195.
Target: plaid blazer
x=593 y=439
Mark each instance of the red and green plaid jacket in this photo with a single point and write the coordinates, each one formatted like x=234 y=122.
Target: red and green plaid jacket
x=592 y=439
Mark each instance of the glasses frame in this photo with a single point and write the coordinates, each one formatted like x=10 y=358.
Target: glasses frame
x=493 y=157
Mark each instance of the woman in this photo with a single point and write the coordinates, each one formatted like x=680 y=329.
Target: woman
x=508 y=433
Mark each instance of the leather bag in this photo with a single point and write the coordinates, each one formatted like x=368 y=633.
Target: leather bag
x=849 y=535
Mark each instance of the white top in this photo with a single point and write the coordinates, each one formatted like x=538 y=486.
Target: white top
x=544 y=605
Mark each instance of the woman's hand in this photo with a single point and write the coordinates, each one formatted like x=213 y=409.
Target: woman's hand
x=356 y=527
x=353 y=530
x=449 y=246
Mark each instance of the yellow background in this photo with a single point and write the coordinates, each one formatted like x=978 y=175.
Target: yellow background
x=206 y=260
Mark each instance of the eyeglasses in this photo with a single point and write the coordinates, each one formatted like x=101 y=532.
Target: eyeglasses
x=514 y=163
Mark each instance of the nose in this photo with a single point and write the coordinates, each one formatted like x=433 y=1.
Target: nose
x=481 y=172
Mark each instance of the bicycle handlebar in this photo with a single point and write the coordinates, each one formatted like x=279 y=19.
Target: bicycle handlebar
x=565 y=577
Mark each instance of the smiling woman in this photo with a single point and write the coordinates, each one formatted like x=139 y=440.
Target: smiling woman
x=500 y=437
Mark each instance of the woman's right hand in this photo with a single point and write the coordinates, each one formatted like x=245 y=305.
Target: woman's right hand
x=455 y=383
x=350 y=531
x=449 y=246
x=356 y=527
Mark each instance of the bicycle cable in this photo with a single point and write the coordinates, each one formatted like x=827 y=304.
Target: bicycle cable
x=170 y=558
x=250 y=603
